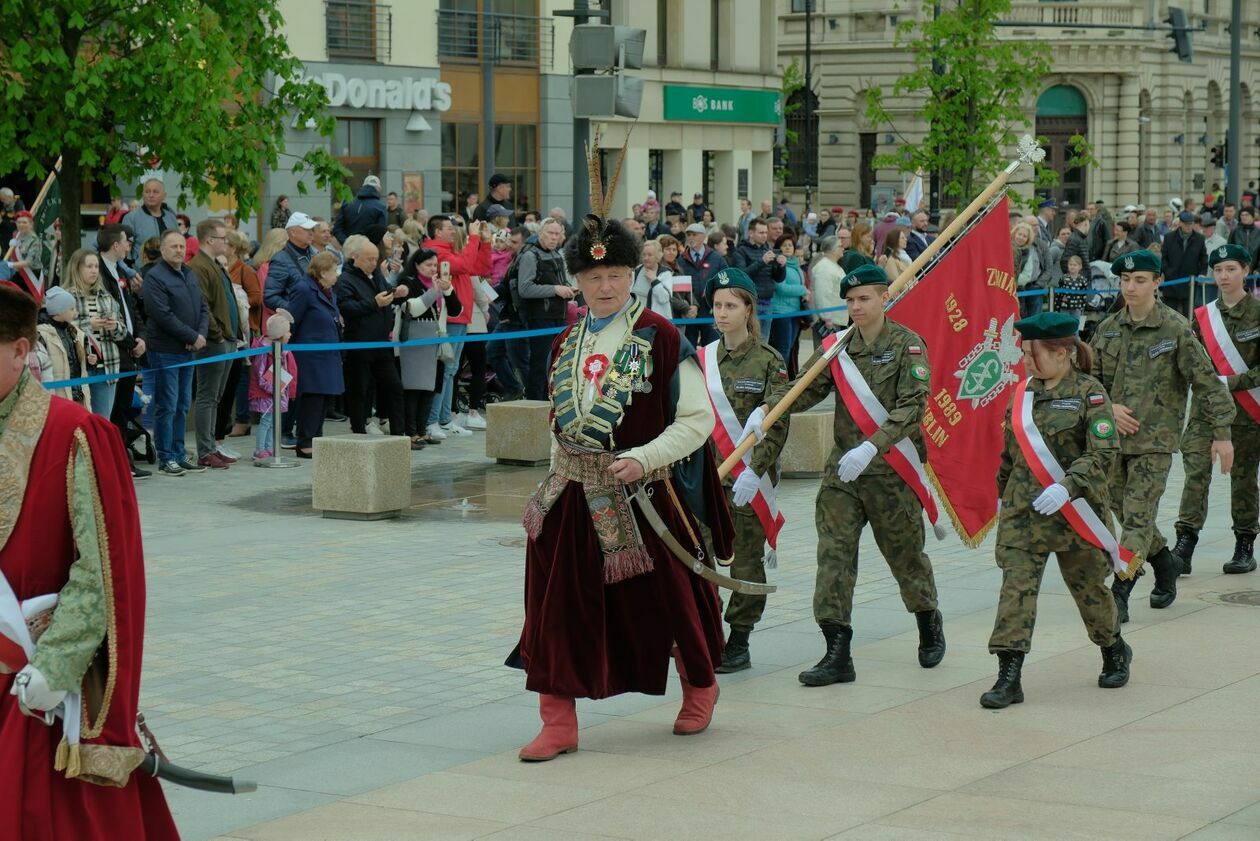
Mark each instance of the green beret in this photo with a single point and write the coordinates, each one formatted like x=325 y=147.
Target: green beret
x=730 y=278
x=867 y=274
x=1137 y=261
x=1048 y=325
x=1230 y=252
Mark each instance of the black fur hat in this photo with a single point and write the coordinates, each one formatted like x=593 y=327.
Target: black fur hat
x=601 y=243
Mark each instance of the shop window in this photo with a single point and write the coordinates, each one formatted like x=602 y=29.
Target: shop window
x=800 y=145
x=461 y=159
x=656 y=174
x=516 y=156
x=357 y=29
x=357 y=145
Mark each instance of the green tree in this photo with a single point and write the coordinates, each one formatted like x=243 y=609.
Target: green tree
x=974 y=106
x=115 y=87
x=793 y=81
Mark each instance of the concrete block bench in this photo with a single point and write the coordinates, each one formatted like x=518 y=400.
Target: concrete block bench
x=517 y=432
x=361 y=477
x=808 y=449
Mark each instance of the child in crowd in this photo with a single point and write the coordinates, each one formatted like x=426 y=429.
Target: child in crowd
x=262 y=382
x=1068 y=302
x=64 y=351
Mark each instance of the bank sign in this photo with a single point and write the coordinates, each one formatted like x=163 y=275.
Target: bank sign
x=688 y=103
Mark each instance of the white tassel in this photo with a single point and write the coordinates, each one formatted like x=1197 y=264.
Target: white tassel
x=771 y=560
x=939 y=531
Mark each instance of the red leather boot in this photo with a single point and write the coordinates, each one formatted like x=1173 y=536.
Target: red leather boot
x=559 y=732
x=697 y=705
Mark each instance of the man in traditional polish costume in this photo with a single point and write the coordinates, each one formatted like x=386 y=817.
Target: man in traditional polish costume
x=606 y=603
x=71 y=615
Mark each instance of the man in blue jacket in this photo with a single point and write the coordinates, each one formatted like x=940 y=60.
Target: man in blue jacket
x=178 y=321
x=288 y=267
x=367 y=209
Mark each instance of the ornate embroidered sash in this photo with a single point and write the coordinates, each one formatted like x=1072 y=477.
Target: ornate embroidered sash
x=1225 y=355
x=869 y=414
x=726 y=435
x=1083 y=519
x=18 y=439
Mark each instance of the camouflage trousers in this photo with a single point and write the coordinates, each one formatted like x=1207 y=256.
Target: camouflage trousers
x=1244 y=497
x=743 y=611
x=896 y=518
x=1137 y=484
x=1085 y=573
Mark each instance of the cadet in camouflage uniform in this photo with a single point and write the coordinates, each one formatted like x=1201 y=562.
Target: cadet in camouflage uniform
x=893 y=361
x=753 y=375
x=1240 y=314
x=1147 y=358
x=1073 y=415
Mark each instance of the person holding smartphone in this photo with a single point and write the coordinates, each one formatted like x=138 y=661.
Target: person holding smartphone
x=101 y=322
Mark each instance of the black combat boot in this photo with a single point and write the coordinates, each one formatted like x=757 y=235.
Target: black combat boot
x=1120 y=589
x=931 y=637
x=735 y=656
x=1116 y=659
x=836 y=666
x=1243 y=560
x=1184 y=548
x=1167 y=570
x=1007 y=690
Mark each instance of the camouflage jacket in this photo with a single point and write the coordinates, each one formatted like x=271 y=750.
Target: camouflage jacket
x=752 y=374
x=1076 y=422
x=1242 y=322
x=1149 y=367
x=895 y=366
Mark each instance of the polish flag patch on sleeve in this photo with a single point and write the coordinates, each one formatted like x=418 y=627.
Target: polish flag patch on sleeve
x=915 y=350
x=1097 y=399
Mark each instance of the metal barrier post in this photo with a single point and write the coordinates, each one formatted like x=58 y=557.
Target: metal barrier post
x=1190 y=298
x=1050 y=295
x=278 y=387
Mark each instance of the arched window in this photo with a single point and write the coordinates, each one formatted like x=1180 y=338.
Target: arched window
x=1062 y=112
x=798 y=144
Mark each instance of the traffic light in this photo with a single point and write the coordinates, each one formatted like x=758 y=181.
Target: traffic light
x=599 y=53
x=1180 y=33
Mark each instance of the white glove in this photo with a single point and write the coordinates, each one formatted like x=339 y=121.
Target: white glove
x=36 y=694
x=1051 y=500
x=753 y=426
x=745 y=487
x=855 y=461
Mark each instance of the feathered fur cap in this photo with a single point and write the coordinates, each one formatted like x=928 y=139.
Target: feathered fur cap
x=601 y=241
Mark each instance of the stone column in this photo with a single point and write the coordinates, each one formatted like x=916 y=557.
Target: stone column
x=1126 y=151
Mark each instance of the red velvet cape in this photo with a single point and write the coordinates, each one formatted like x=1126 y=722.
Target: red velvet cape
x=583 y=638
x=38 y=803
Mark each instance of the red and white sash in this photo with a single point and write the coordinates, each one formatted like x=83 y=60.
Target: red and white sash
x=727 y=433
x=1083 y=519
x=870 y=415
x=1225 y=355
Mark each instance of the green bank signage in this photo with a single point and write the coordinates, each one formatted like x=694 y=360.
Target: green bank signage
x=722 y=105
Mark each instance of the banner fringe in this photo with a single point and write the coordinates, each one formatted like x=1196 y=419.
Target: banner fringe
x=969 y=540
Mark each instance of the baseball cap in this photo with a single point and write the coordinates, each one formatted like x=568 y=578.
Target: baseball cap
x=301 y=220
x=1130 y=208
x=372 y=181
x=651 y=194
x=1186 y=216
x=1207 y=220
x=697 y=228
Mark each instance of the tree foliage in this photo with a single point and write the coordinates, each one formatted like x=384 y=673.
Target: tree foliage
x=793 y=81
x=118 y=87
x=974 y=106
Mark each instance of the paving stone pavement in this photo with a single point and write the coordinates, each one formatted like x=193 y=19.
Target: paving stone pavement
x=354 y=669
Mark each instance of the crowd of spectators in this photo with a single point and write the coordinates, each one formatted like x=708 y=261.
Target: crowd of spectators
x=161 y=304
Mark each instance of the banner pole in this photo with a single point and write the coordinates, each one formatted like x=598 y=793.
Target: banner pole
x=39 y=199
x=1028 y=151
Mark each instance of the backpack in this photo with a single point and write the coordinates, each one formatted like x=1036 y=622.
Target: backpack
x=509 y=298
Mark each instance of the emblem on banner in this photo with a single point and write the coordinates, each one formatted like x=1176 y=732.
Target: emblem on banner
x=986 y=371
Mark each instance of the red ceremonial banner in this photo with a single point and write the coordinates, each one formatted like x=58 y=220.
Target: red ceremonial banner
x=965 y=309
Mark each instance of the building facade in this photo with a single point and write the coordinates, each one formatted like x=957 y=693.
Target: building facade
x=1152 y=120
